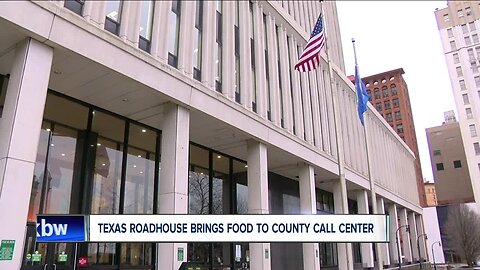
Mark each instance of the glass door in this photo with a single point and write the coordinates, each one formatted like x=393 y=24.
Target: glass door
x=53 y=192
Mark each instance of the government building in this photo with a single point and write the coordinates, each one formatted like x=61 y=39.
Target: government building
x=184 y=107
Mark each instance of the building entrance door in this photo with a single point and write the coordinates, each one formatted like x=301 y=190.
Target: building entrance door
x=47 y=256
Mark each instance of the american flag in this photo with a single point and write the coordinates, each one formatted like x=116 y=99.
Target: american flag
x=310 y=58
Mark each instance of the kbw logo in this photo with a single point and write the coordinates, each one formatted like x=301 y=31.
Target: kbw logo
x=47 y=229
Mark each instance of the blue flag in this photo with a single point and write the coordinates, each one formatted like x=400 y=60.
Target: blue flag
x=361 y=95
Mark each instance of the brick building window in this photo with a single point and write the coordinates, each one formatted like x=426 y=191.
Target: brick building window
x=437 y=152
x=393 y=89
x=388 y=117
x=400 y=128
x=398 y=116
x=396 y=103
x=445 y=17
x=376 y=92
x=387 y=105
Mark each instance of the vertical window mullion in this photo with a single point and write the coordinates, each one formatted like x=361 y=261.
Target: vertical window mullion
x=124 y=167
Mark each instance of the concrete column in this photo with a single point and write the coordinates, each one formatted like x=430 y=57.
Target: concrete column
x=173 y=194
x=317 y=128
x=257 y=174
x=130 y=22
x=185 y=46
x=384 y=246
x=228 y=50
x=19 y=134
x=209 y=43
x=308 y=205
x=159 y=46
x=344 y=250
x=366 y=248
x=393 y=245
x=94 y=12
x=297 y=104
x=423 y=242
x=245 y=53
x=412 y=223
x=407 y=248
x=285 y=77
x=307 y=108
x=273 y=70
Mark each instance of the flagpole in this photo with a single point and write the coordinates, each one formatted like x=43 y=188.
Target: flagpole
x=341 y=158
x=373 y=194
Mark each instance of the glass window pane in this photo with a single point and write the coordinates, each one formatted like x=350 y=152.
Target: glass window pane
x=38 y=173
x=140 y=171
x=198 y=191
x=113 y=10
x=146 y=19
x=107 y=132
x=221 y=185
x=56 y=107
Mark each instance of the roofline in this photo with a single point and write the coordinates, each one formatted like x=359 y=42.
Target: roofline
x=398 y=70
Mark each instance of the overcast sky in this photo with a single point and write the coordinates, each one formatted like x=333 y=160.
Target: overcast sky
x=401 y=34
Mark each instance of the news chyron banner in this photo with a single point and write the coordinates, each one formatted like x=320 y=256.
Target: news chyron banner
x=213 y=228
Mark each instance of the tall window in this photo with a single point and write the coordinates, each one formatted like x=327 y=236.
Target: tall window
x=252 y=60
x=462 y=85
x=387 y=105
x=476 y=146
x=218 y=48
x=475 y=38
x=384 y=91
x=464 y=29
x=376 y=93
x=112 y=19
x=465 y=99
x=146 y=23
x=456 y=59
x=468 y=112
x=398 y=116
x=388 y=117
x=472 y=26
x=473 y=131
x=450 y=32
x=445 y=17
x=400 y=128
x=477 y=50
x=477 y=81
x=197 y=41
x=173 y=33
x=453 y=47
x=267 y=69
x=393 y=89
x=471 y=56
x=280 y=86
x=459 y=71
x=75 y=5
x=237 y=55
x=396 y=103
x=468 y=41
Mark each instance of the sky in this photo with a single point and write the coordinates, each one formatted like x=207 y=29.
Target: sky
x=401 y=34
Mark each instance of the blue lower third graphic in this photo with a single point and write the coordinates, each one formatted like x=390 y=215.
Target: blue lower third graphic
x=62 y=228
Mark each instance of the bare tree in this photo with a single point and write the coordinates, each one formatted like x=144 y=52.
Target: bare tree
x=462 y=230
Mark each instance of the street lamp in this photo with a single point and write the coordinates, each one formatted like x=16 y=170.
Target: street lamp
x=407 y=229
x=433 y=253
x=418 y=247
